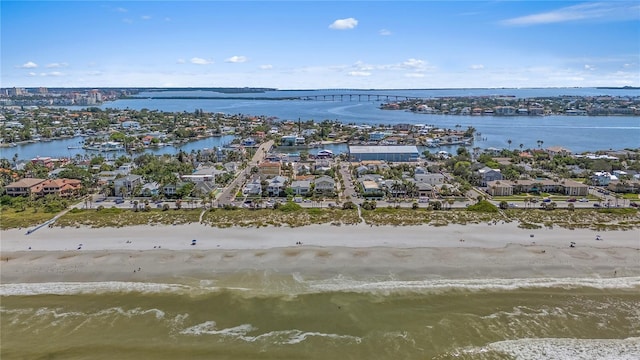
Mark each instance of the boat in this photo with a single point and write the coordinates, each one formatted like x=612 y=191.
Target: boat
x=105 y=146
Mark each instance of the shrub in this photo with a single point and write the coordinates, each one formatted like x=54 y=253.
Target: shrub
x=483 y=206
x=349 y=205
x=290 y=206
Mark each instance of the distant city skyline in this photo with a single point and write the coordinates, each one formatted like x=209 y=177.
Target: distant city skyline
x=320 y=44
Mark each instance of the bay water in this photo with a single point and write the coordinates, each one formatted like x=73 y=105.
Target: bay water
x=577 y=133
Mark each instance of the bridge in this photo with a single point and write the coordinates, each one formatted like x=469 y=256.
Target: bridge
x=357 y=97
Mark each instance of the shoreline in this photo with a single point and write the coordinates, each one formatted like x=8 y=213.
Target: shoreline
x=165 y=254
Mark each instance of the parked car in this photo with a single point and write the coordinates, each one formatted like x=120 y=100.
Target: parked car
x=596 y=205
x=546 y=200
x=119 y=201
x=571 y=200
x=633 y=204
x=584 y=200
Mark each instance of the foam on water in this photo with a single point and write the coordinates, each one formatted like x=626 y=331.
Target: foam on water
x=345 y=284
x=280 y=337
x=78 y=288
x=560 y=349
x=298 y=285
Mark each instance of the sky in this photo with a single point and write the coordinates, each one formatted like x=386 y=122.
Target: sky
x=320 y=44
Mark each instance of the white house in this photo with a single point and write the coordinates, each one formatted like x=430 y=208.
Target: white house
x=324 y=184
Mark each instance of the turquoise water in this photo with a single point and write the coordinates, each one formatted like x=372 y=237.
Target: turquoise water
x=270 y=316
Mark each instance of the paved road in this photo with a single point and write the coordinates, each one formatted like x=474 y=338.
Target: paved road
x=229 y=192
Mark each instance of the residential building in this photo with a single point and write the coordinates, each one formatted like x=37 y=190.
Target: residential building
x=488 y=174
x=276 y=185
x=429 y=178
x=126 y=185
x=301 y=187
x=325 y=185
x=23 y=187
x=269 y=169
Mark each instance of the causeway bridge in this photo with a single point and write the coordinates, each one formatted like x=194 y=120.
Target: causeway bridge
x=357 y=97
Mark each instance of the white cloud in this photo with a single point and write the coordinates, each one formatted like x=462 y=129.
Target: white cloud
x=236 y=59
x=29 y=65
x=589 y=67
x=122 y=10
x=601 y=11
x=266 y=67
x=55 y=73
x=344 y=24
x=414 y=64
x=476 y=67
x=32 y=74
x=57 y=65
x=359 y=73
x=200 y=61
x=181 y=61
x=384 y=32
x=145 y=17
x=414 y=75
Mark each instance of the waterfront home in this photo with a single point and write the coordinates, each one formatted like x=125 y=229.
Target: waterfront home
x=23 y=187
x=125 y=185
x=488 y=174
x=150 y=189
x=557 y=150
x=325 y=185
x=602 y=178
x=292 y=140
x=370 y=187
x=203 y=174
x=499 y=188
x=269 y=169
x=563 y=186
x=42 y=187
x=60 y=187
x=276 y=185
x=301 y=187
x=424 y=190
x=254 y=188
x=429 y=178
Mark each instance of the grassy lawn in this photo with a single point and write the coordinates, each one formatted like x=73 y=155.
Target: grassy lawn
x=11 y=219
x=631 y=196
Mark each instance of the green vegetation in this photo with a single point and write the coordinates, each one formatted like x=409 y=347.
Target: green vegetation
x=11 y=218
x=483 y=206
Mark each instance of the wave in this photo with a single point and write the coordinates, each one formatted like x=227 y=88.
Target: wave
x=279 y=337
x=557 y=349
x=344 y=284
x=297 y=285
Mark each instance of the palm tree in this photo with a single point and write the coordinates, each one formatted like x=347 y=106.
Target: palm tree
x=540 y=142
x=509 y=142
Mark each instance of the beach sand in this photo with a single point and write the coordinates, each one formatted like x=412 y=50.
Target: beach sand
x=166 y=253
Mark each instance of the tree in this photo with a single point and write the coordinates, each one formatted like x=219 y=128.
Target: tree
x=509 y=142
x=503 y=205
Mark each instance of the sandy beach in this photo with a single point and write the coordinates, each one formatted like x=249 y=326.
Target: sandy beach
x=168 y=253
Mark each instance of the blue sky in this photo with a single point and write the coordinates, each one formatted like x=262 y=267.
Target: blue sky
x=320 y=44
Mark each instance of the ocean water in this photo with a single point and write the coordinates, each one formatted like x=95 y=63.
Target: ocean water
x=266 y=315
